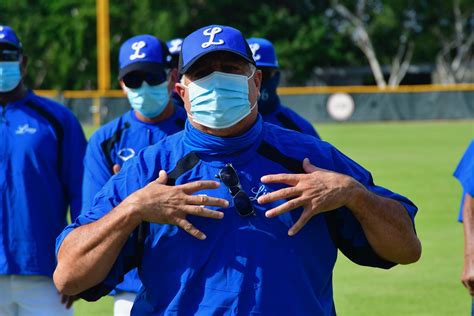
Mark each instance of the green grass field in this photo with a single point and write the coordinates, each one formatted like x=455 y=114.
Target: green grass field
x=416 y=159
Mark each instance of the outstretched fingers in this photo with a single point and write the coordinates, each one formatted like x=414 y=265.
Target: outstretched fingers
x=192 y=187
x=203 y=199
x=281 y=194
x=286 y=178
x=202 y=211
x=300 y=223
x=285 y=207
x=190 y=229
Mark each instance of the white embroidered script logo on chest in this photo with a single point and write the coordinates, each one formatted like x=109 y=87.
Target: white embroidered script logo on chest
x=136 y=47
x=211 y=32
x=258 y=192
x=25 y=129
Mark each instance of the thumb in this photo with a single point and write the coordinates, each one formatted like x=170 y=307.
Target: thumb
x=308 y=167
x=162 y=177
x=116 y=168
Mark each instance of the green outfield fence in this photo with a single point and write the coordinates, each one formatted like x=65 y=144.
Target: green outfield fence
x=316 y=104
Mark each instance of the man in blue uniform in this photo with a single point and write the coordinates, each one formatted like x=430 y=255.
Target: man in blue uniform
x=41 y=150
x=146 y=82
x=262 y=237
x=465 y=174
x=174 y=47
x=269 y=105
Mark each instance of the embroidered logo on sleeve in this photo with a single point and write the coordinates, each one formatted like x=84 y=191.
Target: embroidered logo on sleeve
x=25 y=129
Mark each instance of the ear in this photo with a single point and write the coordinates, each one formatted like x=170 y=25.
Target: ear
x=23 y=65
x=258 y=80
x=122 y=85
x=180 y=89
x=173 y=78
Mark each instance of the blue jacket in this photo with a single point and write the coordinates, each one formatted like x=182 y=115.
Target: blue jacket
x=247 y=265
x=41 y=150
x=465 y=174
x=115 y=143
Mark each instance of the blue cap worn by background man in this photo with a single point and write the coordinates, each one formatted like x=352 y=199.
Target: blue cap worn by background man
x=174 y=46
x=210 y=39
x=269 y=104
x=142 y=53
x=8 y=36
x=263 y=52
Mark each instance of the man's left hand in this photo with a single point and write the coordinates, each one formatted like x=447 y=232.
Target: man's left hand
x=317 y=191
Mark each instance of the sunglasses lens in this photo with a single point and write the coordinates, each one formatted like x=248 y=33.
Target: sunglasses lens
x=229 y=177
x=243 y=204
x=133 y=81
x=9 y=55
x=155 y=79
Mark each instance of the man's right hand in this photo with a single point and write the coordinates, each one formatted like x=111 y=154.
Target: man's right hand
x=467 y=278
x=163 y=204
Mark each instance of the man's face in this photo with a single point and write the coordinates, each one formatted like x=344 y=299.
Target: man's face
x=9 y=53
x=223 y=62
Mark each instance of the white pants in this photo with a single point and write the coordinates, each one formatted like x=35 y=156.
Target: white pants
x=123 y=303
x=30 y=296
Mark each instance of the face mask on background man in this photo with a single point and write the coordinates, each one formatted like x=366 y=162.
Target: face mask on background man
x=10 y=75
x=149 y=100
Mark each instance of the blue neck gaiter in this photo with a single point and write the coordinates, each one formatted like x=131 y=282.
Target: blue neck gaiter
x=203 y=143
x=269 y=100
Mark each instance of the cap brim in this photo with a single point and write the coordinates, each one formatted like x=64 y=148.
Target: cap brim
x=269 y=65
x=14 y=45
x=197 y=57
x=142 y=66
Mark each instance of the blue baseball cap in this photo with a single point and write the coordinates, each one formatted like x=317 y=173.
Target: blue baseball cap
x=210 y=39
x=174 y=46
x=8 y=36
x=263 y=52
x=143 y=53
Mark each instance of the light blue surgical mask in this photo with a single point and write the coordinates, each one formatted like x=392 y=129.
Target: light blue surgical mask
x=149 y=100
x=220 y=100
x=10 y=75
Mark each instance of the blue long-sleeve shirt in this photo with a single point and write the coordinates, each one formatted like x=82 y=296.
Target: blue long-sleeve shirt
x=41 y=150
x=465 y=174
x=115 y=143
x=246 y=265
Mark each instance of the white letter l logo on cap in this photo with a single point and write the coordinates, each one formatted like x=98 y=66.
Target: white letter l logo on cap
x=136 y=47
x=211 y=32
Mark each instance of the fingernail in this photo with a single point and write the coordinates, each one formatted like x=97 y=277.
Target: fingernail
x=267 y=214
x=291 y=233
x=203 y=237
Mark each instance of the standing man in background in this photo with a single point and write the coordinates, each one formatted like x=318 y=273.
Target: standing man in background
x=147 y=83
x=465 y=174
x=269 y=105
x=41 y=150
x=174 y=47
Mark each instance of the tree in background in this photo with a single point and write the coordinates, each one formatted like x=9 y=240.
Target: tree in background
x=454 y=59
x=60 y=35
